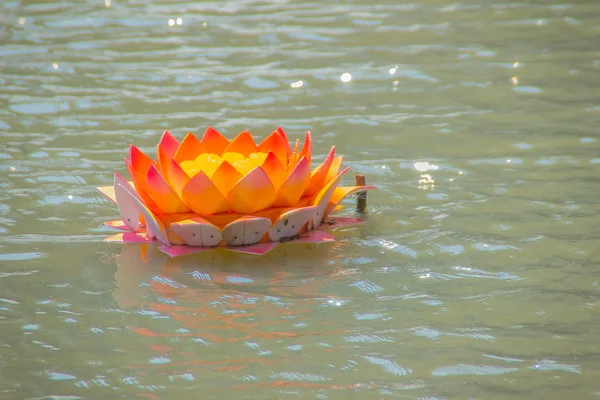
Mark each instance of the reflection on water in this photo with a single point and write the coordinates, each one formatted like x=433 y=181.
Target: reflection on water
x=250 y=305
x=475 y=276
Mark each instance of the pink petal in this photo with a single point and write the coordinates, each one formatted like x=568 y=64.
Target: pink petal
x=177 y=251
x=168 y=144
x=254 y=249
x=129 y=237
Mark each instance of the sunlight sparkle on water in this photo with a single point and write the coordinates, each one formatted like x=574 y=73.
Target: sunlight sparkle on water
x=107 y=3
x=346 y=77
x=426 y=182
x=425 y=166
x=55 y=65
x=297 y=84
x=514 y=80
x=22 y=21
x=393 y=70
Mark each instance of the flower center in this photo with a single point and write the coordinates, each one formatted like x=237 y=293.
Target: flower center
x=209 y=162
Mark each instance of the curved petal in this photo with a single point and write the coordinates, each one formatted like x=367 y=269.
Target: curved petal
x=163 y=161
x=139 y=160
x=168 y=220
x=243 y=144
x=141 y=186
x=307 y=147
x=189 y=149
x=285 y=140
x=321 y=200
x=318 y=175
x=291 y=190
x=214 y=142
x=154 y=226
x=166 y=199
x=202 y=196
x=246 y=230
x=168 y=144
x=340 y=193
x=291 y=222
x=276 y=143
x=197 y=232
x=225 y=177
x=253 y=192
x=130 y=214
x=275 y=169
x=334 y=170
x=176 y=176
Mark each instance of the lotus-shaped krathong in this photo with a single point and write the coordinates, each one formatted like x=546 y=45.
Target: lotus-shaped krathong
x=247 y=197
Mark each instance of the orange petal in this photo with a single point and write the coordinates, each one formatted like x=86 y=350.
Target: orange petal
x=168 y=144
x=166 y=199
x=336 y=164
x=327 y=191
x=202 y=196
x=307 y=147
x=221 y=220
x=318 y=175
x=214 y=142
x=275 y=169
x=243 y=144
x=141 y=187
x=177 y=177
x=340 y=193
x=285 y=140
x=189 y=149
x=163 y=161
x=139 y=160
x=276 y=143
x=252 y=193
x=290 y=192
x=225 y=177
x=321 y=200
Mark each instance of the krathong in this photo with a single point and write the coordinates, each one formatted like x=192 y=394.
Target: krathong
x=246 y=197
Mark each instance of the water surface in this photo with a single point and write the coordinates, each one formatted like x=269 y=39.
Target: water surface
x=473 y=280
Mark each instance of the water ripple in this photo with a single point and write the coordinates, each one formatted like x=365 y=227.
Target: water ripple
x=479 y=271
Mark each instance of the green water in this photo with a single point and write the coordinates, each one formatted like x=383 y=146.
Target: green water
x=475 y=280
